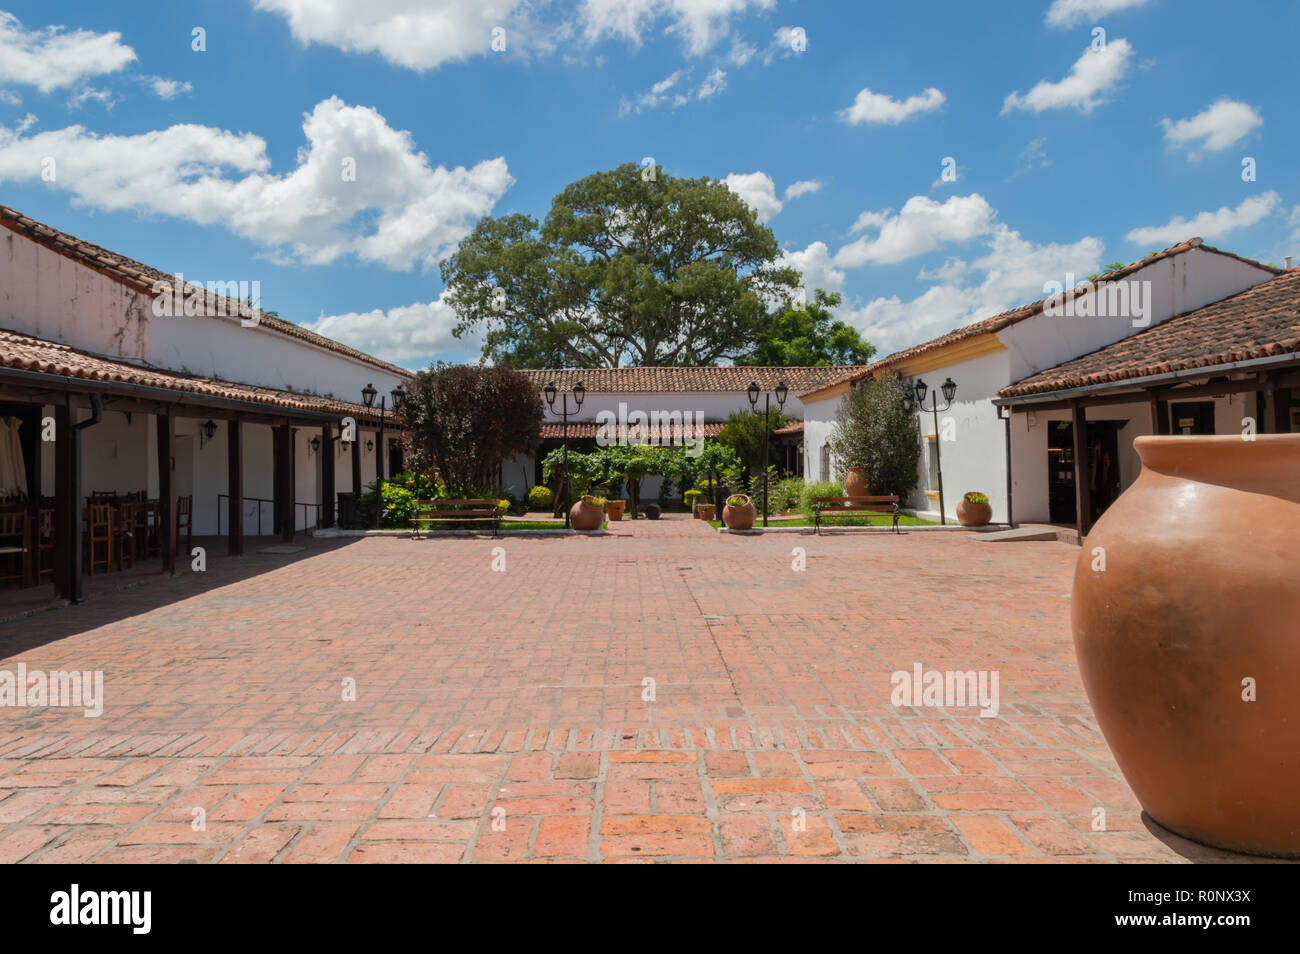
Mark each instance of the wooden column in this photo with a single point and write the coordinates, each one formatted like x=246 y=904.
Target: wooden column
x=1082 y=471
x=1278 y=409
x=167 y=489
x=356 y=461
x=327 y=475
x=67 y=503
x=235 y=484
x=284 y=480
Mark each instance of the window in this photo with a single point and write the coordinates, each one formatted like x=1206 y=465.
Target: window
x=825 y=472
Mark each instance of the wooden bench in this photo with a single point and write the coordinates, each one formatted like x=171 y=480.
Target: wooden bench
x=468 y=511
x=854 y=507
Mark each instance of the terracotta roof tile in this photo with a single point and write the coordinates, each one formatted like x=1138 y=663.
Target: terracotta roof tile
x=25 y=353
x=1258 y=322
x=1005 y=319
x=728 y=378
x=142 y=278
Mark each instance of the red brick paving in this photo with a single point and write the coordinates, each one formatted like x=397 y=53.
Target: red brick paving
x=499 y=716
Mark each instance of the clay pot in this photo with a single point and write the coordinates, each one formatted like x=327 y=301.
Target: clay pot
x=739 y=518
x=974 y=514
x=855 y=483
x=614 y=509
x=584 y=516
x=1199 y=596
x=704 y=511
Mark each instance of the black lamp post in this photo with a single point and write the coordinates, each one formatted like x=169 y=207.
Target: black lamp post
x=579 y=392
x=781 y=393
x=368 y=395
x=949 y=389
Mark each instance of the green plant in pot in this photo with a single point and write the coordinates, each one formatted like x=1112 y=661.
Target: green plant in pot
x=587 y=513
x=739 y=512
x=974 y=510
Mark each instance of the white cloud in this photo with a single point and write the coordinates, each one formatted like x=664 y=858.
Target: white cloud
x=713 y=84
x=1068 y=13
x=1092 y=77
x=671 y=89
x=400 y=210
x=1208 y=225
x=417 y=34
x=51 y=58
x=787 y=41
x=1011 y=273
x=1033 y=156
x=87 y=93
x=699 y=23
x=758 y=190
x=922 y=225
x=801 y=188
x=165 y=88
x=415 y=332
x=1218 y=126
x=10 y=98
x=869 y=107
x=814 y=263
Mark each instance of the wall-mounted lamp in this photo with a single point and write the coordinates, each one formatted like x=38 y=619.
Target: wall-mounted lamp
x=314 y=444
x=370 y=445
x=207 y=431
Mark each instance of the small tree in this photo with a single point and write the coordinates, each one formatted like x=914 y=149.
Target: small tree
x=875 y=431
x=745 y=434
x=465 y=420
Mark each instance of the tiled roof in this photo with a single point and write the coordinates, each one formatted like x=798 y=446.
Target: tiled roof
x=1261 y=321
x=790 y=429
x=729 y=378
x=25 y=353
x=584 y=429
x=142 y=278
x=1007 y=318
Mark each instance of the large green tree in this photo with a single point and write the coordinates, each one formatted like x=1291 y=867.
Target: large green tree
x=630 y=267
x=874 y=430
x=807 y=336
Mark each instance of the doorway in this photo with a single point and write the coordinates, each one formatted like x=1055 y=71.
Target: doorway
x=1192 y=417
x=1101 y=468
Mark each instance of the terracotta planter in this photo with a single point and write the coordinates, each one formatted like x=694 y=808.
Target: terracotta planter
x=973 y=514
x=704 y=511
x=855 y=483
x=1200 y=592
x=740 y=518
x=614 y=509
x=583 y=516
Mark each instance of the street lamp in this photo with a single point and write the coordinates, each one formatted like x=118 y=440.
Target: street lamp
x=949 y=389
x=579 y=392
x=781 y=393
x=368 y=395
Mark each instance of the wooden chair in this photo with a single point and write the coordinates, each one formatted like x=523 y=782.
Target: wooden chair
x=151 y=516
x=99 y=537
x=44 y=544
x=14 y=545
x=184 y=521
x=124 y=529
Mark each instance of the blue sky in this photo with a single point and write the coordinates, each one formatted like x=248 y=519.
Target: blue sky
x=1071 y=149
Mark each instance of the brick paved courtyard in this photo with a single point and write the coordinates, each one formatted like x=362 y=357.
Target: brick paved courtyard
x=499 y=715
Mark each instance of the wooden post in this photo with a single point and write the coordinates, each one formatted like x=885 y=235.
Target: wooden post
x=327 y=475
x=356 y=460
x=167 y=489
x=235 y=485
x=67 y=503
x=284 y=480
x=1082 y=471
x=1163 y=424
x=1278 y=409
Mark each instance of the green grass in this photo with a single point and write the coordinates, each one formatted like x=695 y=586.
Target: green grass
x=484 y=527
x=874 y=520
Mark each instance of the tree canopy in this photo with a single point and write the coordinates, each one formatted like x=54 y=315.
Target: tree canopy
x=630 y=267
x=875 y=431
x=809 y=335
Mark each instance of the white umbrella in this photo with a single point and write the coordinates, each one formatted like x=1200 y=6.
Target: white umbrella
x=13 y=472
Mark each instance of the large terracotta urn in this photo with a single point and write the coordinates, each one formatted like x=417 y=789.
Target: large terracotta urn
x=972 y=513
x=1186 y=618
x=739 y=513
x=855 y=483
x=586 y=514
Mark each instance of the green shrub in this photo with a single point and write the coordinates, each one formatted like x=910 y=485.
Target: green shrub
x=540 y=498
x=692 y=497
x=975 y=497
x=874 y=430
x=786 y=494
x=737 y=500
x=591 y=501
x=822 y=488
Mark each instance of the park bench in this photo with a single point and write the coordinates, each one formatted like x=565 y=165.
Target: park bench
x=452 y=511
x=854 y=507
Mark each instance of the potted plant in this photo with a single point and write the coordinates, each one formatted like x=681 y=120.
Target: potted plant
x=614 y=509
x=706 y=511
x=587 y=513
x=739 y=512
x=692 y=499
x=973 y=510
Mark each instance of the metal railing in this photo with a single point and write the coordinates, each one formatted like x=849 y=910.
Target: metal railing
x=262 y=500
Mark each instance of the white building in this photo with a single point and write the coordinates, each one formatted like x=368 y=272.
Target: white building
x=971 y=438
